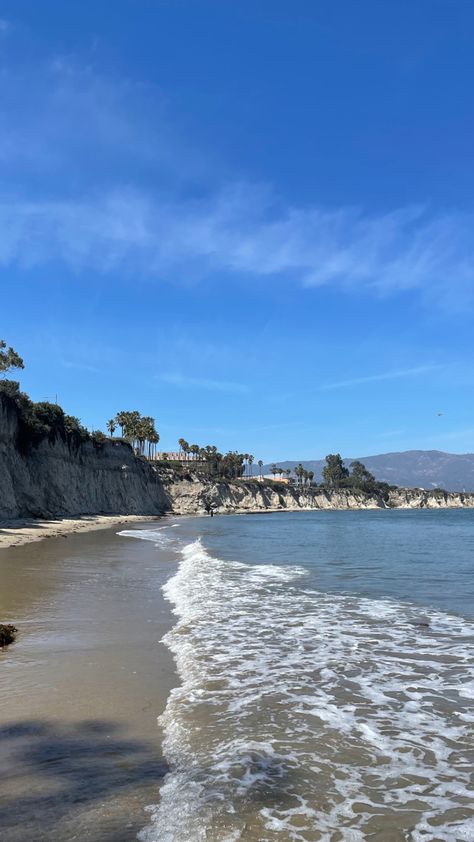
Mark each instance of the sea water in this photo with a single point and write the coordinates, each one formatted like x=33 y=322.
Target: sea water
x=326 y=666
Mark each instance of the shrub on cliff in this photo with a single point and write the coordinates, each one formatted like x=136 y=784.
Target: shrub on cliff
x=37 y=421
x=98 y=437
x=73 y=425
x=10 y=388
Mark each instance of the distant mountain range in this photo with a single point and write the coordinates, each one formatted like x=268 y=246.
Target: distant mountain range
x=411 y=468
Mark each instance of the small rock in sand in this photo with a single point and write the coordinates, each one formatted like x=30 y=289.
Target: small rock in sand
x=7 y=634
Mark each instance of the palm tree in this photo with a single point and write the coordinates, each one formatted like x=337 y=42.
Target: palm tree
x=111 y=426
x=274 y=470
x=121 y=419
x=153 y=438
x=250 y=461
x=195 y=449
x=260 y=465
x=184 y=446
x=299 y=471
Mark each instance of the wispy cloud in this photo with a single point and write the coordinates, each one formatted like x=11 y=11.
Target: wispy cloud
x=384 y=375
x=175 y=379
x=129 y=230
x=160 y=231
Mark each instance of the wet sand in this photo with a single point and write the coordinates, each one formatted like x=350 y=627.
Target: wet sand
x=81 y=689
x=15 y=533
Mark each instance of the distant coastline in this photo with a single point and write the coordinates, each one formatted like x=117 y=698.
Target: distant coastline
x=61 y=483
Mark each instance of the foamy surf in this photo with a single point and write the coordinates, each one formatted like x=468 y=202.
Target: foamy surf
x=308 y=716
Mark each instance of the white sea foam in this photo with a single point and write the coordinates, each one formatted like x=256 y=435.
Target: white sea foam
x=158 y=535
x=304 y=716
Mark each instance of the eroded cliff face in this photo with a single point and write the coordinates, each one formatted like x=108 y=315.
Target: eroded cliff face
x=194 y=496
x=59 y=478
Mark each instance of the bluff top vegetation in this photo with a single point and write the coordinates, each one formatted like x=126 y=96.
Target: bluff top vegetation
x=44 y=420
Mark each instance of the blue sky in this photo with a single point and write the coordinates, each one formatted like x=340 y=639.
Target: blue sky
x=252 y=221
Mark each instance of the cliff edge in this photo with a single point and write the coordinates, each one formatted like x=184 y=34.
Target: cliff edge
x=63 y=477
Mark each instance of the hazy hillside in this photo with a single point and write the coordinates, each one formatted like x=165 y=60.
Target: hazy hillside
x=411 y=468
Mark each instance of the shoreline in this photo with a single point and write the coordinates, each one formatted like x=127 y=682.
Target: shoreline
x=22 y=531
x=83 y=685
x=18 y=532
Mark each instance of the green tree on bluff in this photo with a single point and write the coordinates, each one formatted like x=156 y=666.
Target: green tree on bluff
x=361 y=477
x=334 y=471
x=9 y=358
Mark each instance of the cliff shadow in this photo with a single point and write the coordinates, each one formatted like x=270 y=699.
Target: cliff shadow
x=82 y=780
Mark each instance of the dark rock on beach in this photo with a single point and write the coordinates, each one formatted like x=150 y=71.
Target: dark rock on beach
x=7 y=634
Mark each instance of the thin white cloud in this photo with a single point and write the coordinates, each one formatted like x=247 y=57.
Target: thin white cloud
x=130 y=231
x=63 y=120
x=176 y=379
x=385 y=375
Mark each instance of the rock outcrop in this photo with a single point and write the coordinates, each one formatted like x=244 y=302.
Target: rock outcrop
x=194 y=495
x=8 y=634
x=62 y=478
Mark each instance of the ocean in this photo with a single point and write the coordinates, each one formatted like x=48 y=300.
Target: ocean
x=326 y=668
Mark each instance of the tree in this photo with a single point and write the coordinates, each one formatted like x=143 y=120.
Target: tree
x=121 y=419
x=250 y=461
x=111 y=426
x=334 y=471
x=184 y=446
x=299 y=472
x=310 y=477
x=260 y=465
x=274 y=470
x=195 y=449
x=9 y=358
x=130 y=423
x=153 y=439
x=360 y=477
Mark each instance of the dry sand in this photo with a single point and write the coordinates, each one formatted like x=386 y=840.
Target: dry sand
x=15 y=533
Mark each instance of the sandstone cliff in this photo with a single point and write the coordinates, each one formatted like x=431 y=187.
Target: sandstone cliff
x=62 y=478
x=194 y=495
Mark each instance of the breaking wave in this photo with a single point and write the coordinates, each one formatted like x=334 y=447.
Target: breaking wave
x=310 y=716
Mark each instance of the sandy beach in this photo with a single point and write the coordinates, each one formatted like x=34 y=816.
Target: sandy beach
x=15 y=533
x=81 y=689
